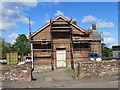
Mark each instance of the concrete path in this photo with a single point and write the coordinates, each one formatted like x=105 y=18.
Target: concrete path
x=63 y=79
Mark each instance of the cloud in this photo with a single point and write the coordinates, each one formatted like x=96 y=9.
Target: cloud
x=13 y=41
x=59 y=13
x=27 y=35
x=89 y=19
x=56 y=1
x=31 y=3
x=101 y=25
x=12 y=12
x=26 y=20
x=7 y=26
x=109 y=41
x=13 y=36
x=107 y=34
x=62 y=13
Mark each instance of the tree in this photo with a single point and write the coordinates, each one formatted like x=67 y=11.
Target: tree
x=106 y=52
x=22 y=45
x=5 y=47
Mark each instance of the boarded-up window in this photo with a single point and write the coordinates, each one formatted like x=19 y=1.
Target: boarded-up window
x=84 y=45
x=60 y=25
x=42 y=45
x=81 y=45
x=61 y=35
x=77 y=46
x=36 y=46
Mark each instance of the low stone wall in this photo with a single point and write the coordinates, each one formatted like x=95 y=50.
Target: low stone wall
x=16 y=73
x=94 y=68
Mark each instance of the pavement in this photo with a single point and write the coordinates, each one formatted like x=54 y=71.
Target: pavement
x=63 y=78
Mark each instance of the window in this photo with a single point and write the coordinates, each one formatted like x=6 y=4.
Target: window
x=42 y=45
x=45 y=45
x=84 y=45
x=44 y=42
x=36 y=46
x=61 y=35
x=76 y=38
x=77 y=46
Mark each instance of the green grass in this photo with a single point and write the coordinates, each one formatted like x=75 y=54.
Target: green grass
x=71 y=72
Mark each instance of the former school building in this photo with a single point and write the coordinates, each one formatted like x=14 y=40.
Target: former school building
x=62 y=44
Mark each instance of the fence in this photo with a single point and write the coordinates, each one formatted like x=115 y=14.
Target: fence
x=12 y=58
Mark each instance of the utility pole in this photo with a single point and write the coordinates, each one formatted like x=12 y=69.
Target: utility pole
x=29 y=27
x=31 y=44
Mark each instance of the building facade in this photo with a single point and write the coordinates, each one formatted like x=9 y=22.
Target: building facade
x=62 y=44
x=116 y=51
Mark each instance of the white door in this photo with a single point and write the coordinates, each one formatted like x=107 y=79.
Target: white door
x=61 y=58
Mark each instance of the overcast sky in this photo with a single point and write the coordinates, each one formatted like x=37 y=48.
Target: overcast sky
x=15 y=17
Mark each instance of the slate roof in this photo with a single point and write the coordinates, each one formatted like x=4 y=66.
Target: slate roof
x=94 y=34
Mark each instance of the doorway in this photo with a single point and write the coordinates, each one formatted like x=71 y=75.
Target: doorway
x=61 y=57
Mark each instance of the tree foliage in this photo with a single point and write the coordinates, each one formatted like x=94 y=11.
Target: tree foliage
x=5 y=47
x=22 y=45
x=106 y=52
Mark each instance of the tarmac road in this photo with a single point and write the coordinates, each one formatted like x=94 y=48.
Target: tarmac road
x=103 y=82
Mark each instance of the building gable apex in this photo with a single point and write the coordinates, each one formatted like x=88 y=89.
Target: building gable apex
x=60 y=16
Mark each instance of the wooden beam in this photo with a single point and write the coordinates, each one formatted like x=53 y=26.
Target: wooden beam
x=52 y=60
x=41 y=49
x=32 y=55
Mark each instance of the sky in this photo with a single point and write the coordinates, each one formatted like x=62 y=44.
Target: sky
x=15 y=17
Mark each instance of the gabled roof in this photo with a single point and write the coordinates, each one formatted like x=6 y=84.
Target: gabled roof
x=60 y=16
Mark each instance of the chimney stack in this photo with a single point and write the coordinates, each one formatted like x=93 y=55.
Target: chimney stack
x=93 y=26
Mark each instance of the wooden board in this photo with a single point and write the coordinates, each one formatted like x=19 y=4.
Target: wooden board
x=12 y=58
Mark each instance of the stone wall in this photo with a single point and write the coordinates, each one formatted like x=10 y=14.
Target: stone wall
x=15 y=73
x=94 y=68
